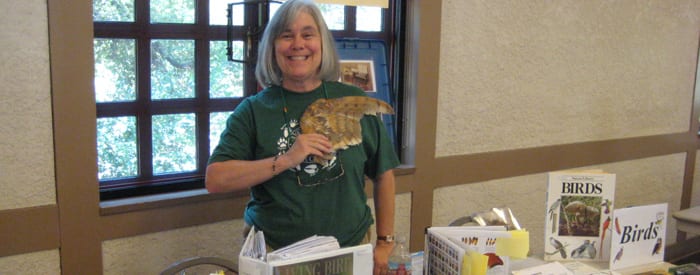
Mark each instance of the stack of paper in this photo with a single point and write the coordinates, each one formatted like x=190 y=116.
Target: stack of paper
x=309 y=246
x=314 y=255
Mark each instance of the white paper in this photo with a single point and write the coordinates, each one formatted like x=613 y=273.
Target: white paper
x=309 y=246
x=552 y=268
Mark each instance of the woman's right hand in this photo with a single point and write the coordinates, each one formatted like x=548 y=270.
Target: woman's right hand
x=308 y=144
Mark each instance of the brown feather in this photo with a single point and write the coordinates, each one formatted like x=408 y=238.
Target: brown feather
x=339 y=119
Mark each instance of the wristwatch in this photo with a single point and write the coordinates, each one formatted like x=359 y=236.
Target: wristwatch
x=386 y=238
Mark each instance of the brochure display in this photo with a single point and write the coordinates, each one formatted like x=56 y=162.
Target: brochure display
x=472 y=249
x=579 y=215
x=451 y=249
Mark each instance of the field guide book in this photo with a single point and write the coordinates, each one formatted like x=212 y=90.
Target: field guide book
x=318 y=255
x=578 y=216
x=475 y=250
x=639 y=235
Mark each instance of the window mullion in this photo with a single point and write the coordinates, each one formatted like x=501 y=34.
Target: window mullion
x=145 y=135
x=201 y=9
x=202 y=108
x=143 y=13
x=143 y=90
x=351 y=20
x=202 y=120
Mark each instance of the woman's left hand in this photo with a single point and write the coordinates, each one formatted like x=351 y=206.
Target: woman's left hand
x=382 y=251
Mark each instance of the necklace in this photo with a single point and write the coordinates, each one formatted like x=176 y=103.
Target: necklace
x=284 y=99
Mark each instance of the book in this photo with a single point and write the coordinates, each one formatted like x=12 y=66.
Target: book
x=318 y=255
x=456 y=250
x=639 y=235
x=578 y=215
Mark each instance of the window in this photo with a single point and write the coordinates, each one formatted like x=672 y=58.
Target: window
x=164 y=84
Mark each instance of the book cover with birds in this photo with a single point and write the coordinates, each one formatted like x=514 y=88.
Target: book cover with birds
x=447 y=250
x=578 y=215
x=639 y=235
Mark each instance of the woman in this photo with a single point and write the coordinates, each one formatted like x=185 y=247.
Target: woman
x=262 y=147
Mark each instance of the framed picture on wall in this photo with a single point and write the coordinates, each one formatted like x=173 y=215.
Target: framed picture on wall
x=359 y=73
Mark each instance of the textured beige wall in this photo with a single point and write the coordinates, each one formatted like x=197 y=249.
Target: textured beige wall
x=151 y=253
x=638 y=182
x=42 y=262
x=695 y=195
x=402 y=216
x=26 y=141
x=520 y=74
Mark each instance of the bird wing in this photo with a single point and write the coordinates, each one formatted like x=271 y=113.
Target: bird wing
x=591 y=250
x=562 y=252
x=578 y=251
x=339 y=118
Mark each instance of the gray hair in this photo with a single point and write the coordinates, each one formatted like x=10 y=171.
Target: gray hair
x=267 y=71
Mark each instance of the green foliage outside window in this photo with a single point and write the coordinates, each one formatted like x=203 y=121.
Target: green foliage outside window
x=174 y=143
x=113 y=10
x=116 y=147
x=172 y=69
x=172 y=11
x=115 y=70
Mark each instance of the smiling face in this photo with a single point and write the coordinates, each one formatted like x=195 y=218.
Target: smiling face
x=298 y=53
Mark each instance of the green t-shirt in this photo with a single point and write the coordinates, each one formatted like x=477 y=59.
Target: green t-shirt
x=332 y=201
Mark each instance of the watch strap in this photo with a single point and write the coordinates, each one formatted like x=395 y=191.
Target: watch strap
x=386 y=238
